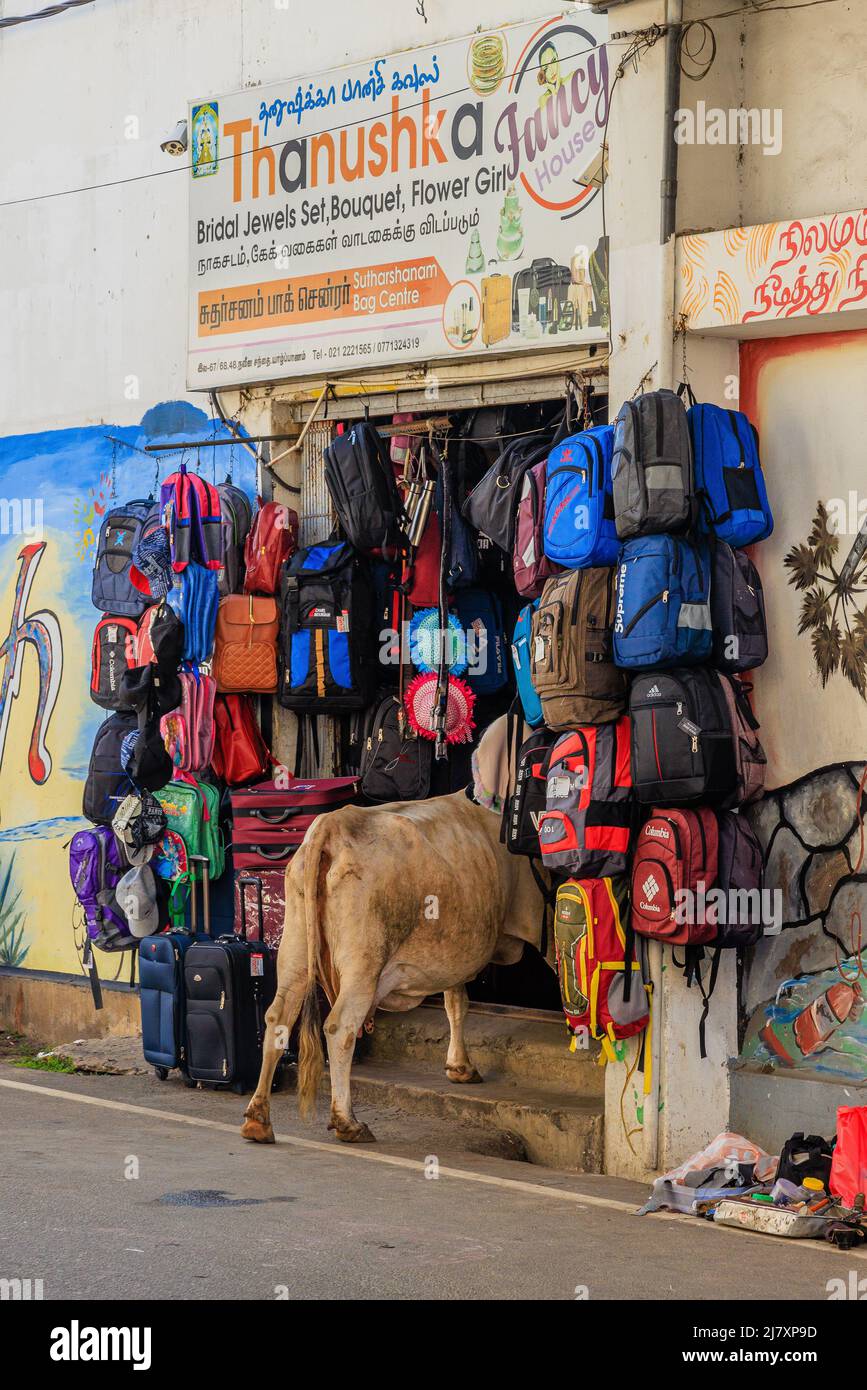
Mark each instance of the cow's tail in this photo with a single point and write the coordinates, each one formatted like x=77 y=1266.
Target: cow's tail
x=311 y=1059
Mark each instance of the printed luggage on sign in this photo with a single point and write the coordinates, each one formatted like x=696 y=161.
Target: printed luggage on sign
x=579 y=530
x=531 y=566
x=737 y=608
x=245 y=644
x=327 y=661
x=522 y=665
x=571 y=650
x=682 y=745
x=728 y=475
x=272 y=539
x=395 y=762
x=674 y=864
x=114 y=651
x=526 y=806
x=652 y=467
x=96 y=865
x=739 y=877
x=363 y=488
x=600 y=964
x=749 y=755
x=112 y=589
x=663 y=604
x=585 y=829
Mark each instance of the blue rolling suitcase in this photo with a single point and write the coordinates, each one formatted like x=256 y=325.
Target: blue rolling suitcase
x=161 y=989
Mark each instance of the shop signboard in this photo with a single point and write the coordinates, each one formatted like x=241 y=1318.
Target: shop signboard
x=435 y=204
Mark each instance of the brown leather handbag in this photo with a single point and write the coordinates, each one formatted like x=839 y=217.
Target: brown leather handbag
x=245 y=645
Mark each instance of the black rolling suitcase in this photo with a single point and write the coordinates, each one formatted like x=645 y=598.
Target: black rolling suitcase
x=229 y=984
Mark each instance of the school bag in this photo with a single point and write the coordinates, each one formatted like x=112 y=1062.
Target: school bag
x=480 y=615
x=585 y=828
x=493 y=502
x=272 y=539
x=531 y=566
x=96 y=865
x=600 y=964
x=193 y=516
x=729 y=482
x=113 y=651
x=571 y=650
x=107 y=783
x=236 y=516
x=525 y=808
x=521 y=664
x=112 y=589
x=363 y=488
x=327 y=658
x=739 y=872
x=160 y=637
x=192 y=810
x=188 y=731
x=682 y=745
x=663 y=603
x=194 y=599
x=737 y=610
x=240 y=753
x=579 y=530
x=651 y=467
x=675 y=861
x=395 y=762
x=245 y=644
x=749 y=755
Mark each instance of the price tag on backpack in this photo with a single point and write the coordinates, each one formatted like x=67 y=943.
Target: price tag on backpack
x=689 y=728
x=257 y=964
x=343 y=621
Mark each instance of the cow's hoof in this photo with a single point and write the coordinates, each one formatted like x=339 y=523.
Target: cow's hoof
x=257 y=1132
x=356 y=1134
x=463 y=1076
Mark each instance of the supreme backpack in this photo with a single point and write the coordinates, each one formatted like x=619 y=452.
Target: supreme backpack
x=327 y=658
x=737 y=609
x=271 y=541
x=113 y=651
x=525 y=808
x=107 y=783
x=652 y=467
x=521 y=663
x=739 y=877
x=729 y=481
x=579 y=530
x=395 y=762
x=682 y=745
x=240 y=753
x=674 y=864
x=363 y=488
x=112 y=589
x=245 y=644
x=586 y=824
x=481 y=618
x=600 y=963
x=663 y=603
x=749 y=755
x=531 y=566
x=236 y=517
x=571 y=650
x=96 y=865
x=193 y=516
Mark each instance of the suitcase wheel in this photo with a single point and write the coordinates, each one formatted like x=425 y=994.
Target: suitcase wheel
x=190 y=1083
x=161 y=1073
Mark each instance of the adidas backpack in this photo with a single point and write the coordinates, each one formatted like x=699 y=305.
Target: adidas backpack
x=521 y=662
x=728 y=475
x=579 y=530
x=327 y=645
x=363 y=488
x=586 y=824
x=652 y=467
x=112 y=590
x=600 y=964
x=663 y=604
x=682 y=745
x=737 y=609
x=674 y=863
x=571 y=651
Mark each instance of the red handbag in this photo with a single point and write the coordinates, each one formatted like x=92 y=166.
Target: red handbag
x=272 y=539
x=240 y=754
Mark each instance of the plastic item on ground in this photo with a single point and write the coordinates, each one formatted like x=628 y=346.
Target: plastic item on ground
x=747 y=1166
x=849 y=1164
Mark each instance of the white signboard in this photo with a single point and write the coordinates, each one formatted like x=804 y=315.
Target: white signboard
x=432 y=204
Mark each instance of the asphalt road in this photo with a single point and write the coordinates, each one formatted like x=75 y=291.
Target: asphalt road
x=149 y=1193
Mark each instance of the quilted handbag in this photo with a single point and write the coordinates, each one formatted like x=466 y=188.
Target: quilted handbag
x=245 y=646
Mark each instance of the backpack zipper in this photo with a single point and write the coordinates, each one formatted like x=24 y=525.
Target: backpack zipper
x=657 y=598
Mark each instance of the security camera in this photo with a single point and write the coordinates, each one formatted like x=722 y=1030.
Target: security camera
x=177 y=141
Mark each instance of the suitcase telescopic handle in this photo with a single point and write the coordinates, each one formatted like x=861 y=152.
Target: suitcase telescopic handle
x=206 y=892
x=243 y=881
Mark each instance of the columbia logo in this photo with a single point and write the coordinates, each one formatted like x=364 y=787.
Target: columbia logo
x=650 y=887
x=654 y=692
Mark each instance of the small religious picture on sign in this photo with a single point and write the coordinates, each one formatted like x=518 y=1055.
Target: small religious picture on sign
x=204 y=139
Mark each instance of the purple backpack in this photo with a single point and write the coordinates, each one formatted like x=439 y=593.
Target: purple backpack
x=739 y=872
x=96 y=865
x=530 y=563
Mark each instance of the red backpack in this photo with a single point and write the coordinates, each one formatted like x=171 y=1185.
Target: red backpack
x=272 y=539
x=240 y=754
x=675 y=851
x=529 y=561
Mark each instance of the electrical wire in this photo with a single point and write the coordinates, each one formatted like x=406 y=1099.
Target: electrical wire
x=42 y=14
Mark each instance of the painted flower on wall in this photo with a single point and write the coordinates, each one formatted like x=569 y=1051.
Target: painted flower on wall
x=833 y=607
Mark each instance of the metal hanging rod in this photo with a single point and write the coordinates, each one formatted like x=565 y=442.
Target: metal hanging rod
x=217 y=443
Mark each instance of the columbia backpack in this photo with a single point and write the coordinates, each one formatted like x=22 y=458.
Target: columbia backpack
x=530 y=564
x=481 y=618
x=737 y=609
x=663 y=604
x=107 y=783
x=193 y=516
x=579 y=530
x=739 y=877
x=600 y=964
x=395 y=762
x=674 y=865
x=571 y=650
x=271 y=541
x=363 y=488
x=728 y=475
x=96 y=865
x=112 y=589
x=114 y=650
x=192 y=810
x=586 y=824
x=521 y=663
x=194 y=599
x=525 y=808
x=236 y=516
x=749 y=755
x=682 y=745
x=652 y=467
x=327 y=655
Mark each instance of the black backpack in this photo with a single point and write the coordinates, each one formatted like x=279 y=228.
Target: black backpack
x=107 y=784
x=526 y=806
x=806 y=1156
x=739 y=870
x=737 y=609
x=652 y=467
x=360 y=478
x=395 y=762
x=328 y=645
x=493 y=503
x=682 y=744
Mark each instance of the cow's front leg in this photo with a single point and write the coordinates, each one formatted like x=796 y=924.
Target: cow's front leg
x=353 y=1005
x=459 y=1068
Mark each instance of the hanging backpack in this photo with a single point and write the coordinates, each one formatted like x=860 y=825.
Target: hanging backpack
x=525 y=808
x=493 y=502
x=160 y=637
x=194 y=600
x=240 y=753
x=729 y=481
x=271 y=541
x=682 y=746
x=739 y=877
x=579 y=530
x=113 y=651
x=423 y=577
x=363 y=488
x=571 y=651
x=193 y=516
x=480 y=615
x=586 y=825
x=235 y=520
x=600 y=964
x=107 y=783
x=522 y=665
x=96 y=865
x=192 y=810
x=328 y=651
x=112 y=589
x=395 y=762
x=245 y=644
x=531 y=565
x=749 y=755
x=737 y=610
x=674 y=865
x=188 y=731
x=651 y=467
x=663 y=604
x=463 y=567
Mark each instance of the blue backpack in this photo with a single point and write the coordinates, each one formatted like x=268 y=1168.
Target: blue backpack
x=663 y=603
x=579 y=504
x=195 y=598
x=728 y=476
x=480 y=614
x=112 y=590
x=521 y=640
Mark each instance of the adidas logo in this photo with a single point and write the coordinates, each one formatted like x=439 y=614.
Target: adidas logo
x=650 y=887
x=654 y=693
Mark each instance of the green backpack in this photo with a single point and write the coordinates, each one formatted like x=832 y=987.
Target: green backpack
x=193 y=810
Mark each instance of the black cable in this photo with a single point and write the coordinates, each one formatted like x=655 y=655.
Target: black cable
x=42 y=14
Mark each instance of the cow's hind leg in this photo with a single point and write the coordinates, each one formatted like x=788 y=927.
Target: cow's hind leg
x=281 y=1016
x=352 y=1006
x=459 y=1068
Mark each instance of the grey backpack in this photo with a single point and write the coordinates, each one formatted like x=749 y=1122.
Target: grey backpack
x=652 y=467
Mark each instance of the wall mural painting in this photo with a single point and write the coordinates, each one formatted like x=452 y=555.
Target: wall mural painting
x=834 y=605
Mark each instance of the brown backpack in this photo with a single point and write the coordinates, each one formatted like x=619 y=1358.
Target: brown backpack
x=571 y=650
x=245 y=645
